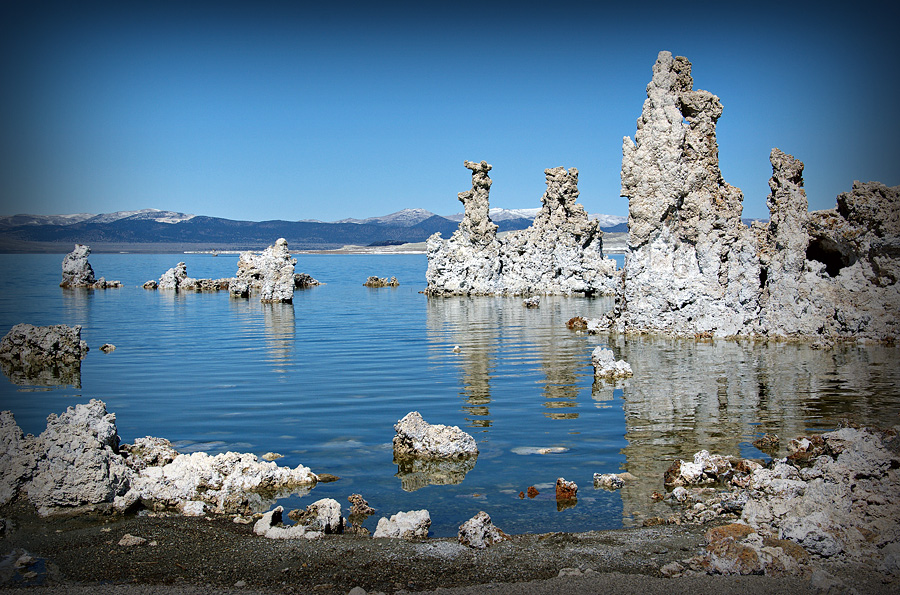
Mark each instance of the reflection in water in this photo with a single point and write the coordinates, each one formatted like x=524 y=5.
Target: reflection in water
x=279 y=321
x=471 y=325
x=277 y=328
x=416 y=473
x=488 y=328
x=42 y=374
x=77 y=303
x=686 y=396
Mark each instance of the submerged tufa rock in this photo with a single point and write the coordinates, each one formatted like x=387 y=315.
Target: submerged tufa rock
x=381 y=282
x=560 y=253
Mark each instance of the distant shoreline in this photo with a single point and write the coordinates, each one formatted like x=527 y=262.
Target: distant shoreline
x=614 y=243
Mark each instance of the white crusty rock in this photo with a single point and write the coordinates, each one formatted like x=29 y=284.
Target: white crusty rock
x=417 y=438
x=830 y=273
x=479 y=532
x=833 y=497
x=78 y=463
x=322 y=515
x=77 y=271
x=404 y=525
x=692 y=265
x=174 y=277
x=270 y=526
x=271 y=272
x=560 y=253
x=606 y=366
x=177 y=278
x=228 y=482
x=694 y=269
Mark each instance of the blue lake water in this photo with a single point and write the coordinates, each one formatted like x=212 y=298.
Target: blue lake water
x=323 y=380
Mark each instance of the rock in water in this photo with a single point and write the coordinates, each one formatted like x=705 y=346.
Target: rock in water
x=77 y=271
x=561 y=253
x=272 y=272
x=695 y=269
x=417 y=438
x=834 y=272
x=692 y=265
x=606 y=366
x=174 y=277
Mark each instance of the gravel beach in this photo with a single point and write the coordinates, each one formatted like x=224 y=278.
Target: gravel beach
x=214 y=555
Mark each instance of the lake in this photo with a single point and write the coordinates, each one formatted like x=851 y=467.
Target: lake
x=323 y=380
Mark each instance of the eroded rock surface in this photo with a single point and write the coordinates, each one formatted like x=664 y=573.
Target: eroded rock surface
x=177 y=278
x=43 y=355
x=606 y=365
x=560 y=253
x=692 y=265
x=830 y=273
x=76 y=463
x=77 y=271
x=833 y=498
x=271 y=272
x=404 y=525
x=480 y=532
x=693 y=268
x=417 y=438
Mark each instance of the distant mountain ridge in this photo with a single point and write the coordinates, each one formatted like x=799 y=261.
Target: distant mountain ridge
x=177 y=231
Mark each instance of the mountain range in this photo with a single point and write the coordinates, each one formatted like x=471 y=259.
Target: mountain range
x=153 y=229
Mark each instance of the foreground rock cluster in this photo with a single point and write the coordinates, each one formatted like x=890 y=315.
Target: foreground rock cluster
x=693 y=268
x=77 y=464
x=833 y=499
x=560 y=253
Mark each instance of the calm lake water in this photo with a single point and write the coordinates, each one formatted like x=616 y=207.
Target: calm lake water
x=323 y=380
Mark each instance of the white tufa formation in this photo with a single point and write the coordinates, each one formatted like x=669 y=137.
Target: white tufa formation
x=560 y=253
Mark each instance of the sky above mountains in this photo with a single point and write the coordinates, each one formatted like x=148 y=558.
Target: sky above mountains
x=295 y=110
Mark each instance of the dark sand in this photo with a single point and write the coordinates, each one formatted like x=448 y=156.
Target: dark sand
x=216 y=555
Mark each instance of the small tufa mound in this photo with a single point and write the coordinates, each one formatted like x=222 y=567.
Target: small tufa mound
x=404 y=525
x=381 y=282
x=606 y=366
x=417 y=438
x=532 y=302
x=479 y=532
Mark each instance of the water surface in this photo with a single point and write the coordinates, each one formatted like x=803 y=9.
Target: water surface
x=323 y=380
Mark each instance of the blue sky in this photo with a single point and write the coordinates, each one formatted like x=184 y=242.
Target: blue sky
x=278 y=110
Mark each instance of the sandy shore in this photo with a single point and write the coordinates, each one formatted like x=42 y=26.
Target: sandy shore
x=214 y=555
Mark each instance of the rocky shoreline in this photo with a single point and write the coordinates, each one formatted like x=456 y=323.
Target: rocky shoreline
x=77 y=507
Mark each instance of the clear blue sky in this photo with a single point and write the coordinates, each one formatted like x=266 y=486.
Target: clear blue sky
x=294 y=110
